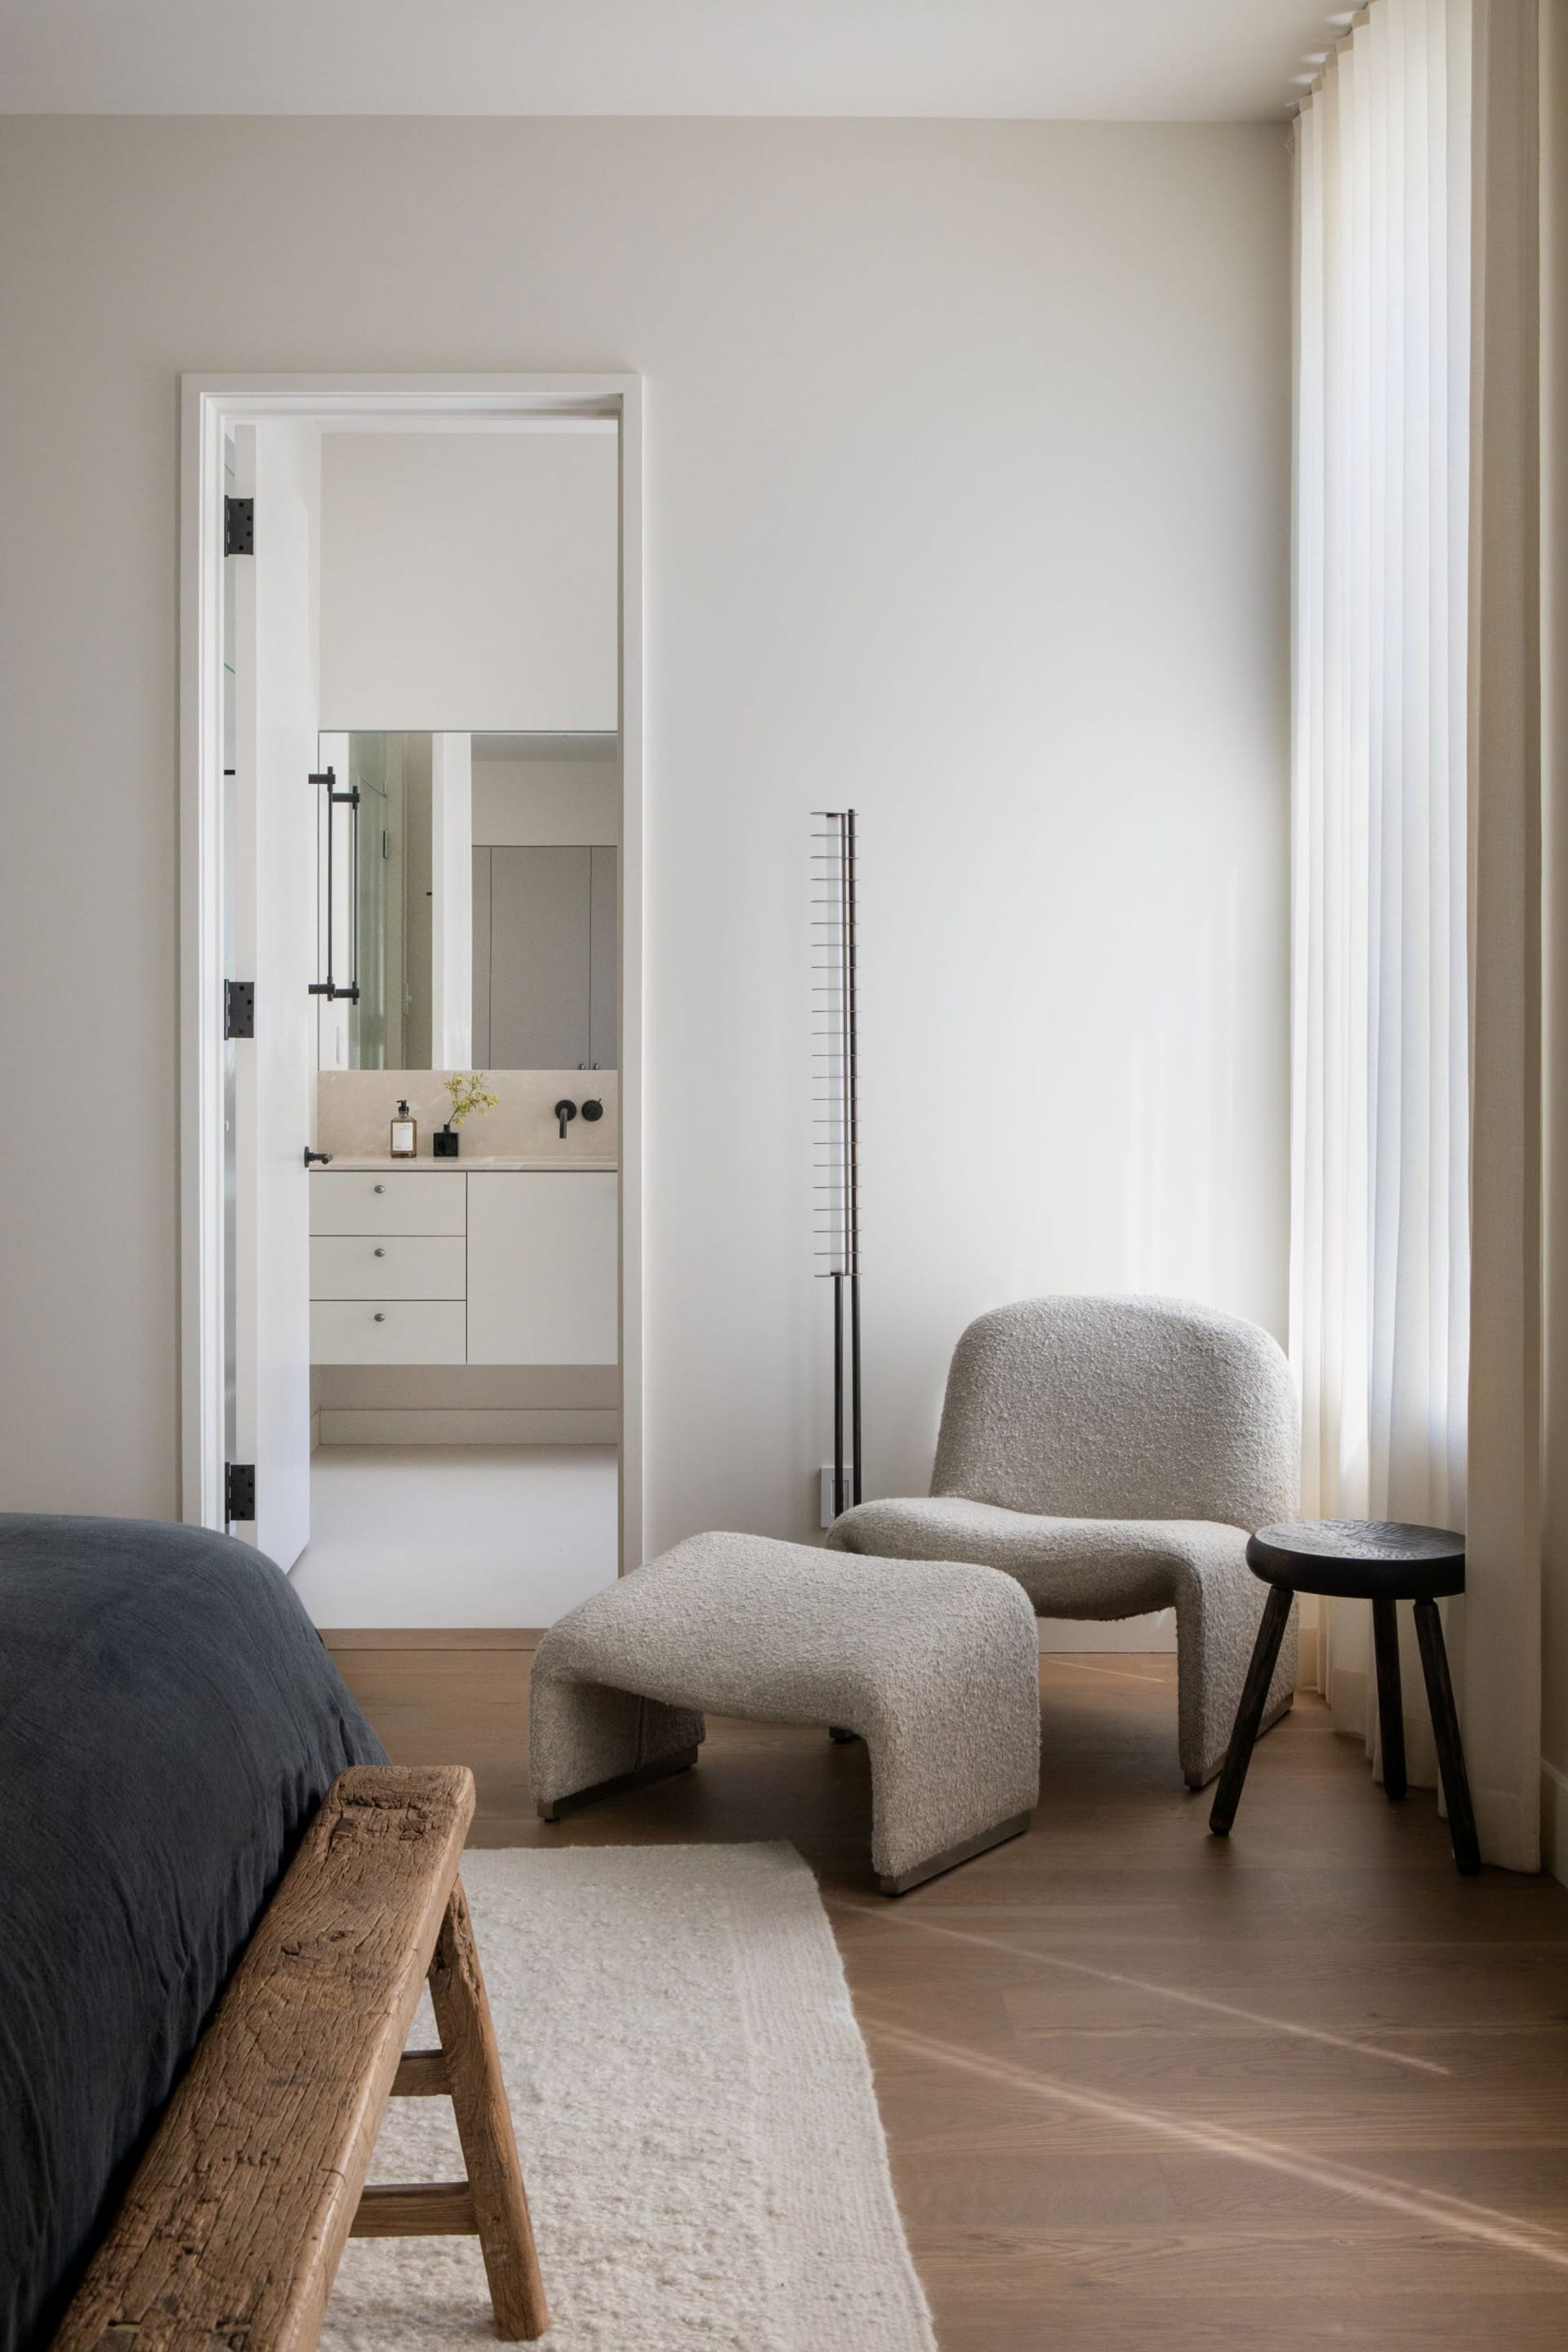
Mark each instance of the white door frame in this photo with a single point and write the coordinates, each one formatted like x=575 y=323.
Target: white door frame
x=209 y=406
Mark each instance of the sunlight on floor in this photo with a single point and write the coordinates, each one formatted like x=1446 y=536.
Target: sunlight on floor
x=1433 y=2210
x=1163 y=1992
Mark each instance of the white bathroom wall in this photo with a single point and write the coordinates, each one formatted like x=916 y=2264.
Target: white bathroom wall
x=966 y=501
x=470 y=581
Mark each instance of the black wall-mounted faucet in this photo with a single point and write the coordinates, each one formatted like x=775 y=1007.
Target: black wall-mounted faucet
x=593 y=1109
x=563 y=1111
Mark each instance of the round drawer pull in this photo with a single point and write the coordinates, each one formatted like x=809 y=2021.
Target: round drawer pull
x=379 y=1316
x=378 y=1253
x=378 y=1188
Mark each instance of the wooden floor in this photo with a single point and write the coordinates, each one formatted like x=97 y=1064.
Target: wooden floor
x=1141 y=2088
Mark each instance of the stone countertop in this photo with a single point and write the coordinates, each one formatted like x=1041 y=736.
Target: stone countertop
x=467 y=1165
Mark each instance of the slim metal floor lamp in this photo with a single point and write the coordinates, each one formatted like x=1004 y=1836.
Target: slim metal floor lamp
x=836 y=1059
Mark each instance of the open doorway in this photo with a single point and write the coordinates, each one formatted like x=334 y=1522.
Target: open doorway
x=411 y=791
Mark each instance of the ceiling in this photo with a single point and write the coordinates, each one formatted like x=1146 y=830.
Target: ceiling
x=1096 y=60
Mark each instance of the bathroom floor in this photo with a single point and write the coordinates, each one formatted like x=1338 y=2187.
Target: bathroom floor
x=449 y=1535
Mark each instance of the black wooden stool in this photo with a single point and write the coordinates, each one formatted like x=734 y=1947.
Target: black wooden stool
x=1382 y=1562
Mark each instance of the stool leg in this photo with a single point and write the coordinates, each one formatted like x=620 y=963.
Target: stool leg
x=1390 y=1700
x=1446 y=1730
x=484 y=2127
x=1250 y=1714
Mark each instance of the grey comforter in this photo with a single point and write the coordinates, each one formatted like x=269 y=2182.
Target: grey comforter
x=169 y=1721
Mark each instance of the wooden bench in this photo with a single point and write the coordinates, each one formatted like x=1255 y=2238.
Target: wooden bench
x=235 y=2222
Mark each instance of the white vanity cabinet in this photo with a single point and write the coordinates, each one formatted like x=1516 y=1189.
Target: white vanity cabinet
x=453 y=1266
x=542 y=1268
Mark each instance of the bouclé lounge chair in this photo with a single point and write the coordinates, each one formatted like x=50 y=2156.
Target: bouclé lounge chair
x=1113 y=1454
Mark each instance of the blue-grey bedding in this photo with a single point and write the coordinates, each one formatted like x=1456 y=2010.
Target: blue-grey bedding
x=169 y=1721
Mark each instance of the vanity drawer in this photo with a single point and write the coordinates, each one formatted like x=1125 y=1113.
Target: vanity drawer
x=388 y=1332
x=403 y=1266
x=363 y=1201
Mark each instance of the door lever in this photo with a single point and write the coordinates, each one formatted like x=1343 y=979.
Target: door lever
x=321 y=1159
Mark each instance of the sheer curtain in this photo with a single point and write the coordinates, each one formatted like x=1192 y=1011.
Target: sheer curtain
x=1417 y=812
x=1380 y=1272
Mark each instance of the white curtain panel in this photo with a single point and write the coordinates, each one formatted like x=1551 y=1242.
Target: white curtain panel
x=1380 y=1260
x=1415 y=1276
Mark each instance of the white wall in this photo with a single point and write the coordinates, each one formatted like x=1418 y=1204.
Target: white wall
x=470 y=581
x=967 y=450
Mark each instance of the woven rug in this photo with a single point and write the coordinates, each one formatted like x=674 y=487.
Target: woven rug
x=694 y=2110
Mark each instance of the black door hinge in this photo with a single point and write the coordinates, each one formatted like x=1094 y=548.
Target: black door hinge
x=238 y=1491
x=239 y=1008
x=240 y=526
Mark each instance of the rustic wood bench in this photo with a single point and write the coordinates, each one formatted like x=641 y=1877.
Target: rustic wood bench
x=235 y=2219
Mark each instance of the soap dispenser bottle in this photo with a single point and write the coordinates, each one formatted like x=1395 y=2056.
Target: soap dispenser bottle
x=405 y=1134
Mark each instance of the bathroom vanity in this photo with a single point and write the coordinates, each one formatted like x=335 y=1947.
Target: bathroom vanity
x=483 y=1262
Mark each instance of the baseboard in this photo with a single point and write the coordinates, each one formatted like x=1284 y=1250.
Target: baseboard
x=1554 y=1821
x=463 y=1388
x=468 y=1425
x=437 y=1637
x=1153 y=1635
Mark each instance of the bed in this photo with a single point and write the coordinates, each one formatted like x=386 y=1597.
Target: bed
x=220 y=1906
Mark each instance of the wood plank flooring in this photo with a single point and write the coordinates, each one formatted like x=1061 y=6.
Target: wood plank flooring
x=1141 y=2088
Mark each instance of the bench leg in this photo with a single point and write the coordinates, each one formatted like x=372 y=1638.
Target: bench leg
x=1446 y=1730
x=484 y=2127
x=1250 y=1714
x=1390 y=1697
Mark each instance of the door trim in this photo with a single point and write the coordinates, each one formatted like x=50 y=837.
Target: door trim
x=209 y=404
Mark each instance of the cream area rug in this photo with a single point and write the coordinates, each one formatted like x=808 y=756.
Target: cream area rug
x=695 y=2114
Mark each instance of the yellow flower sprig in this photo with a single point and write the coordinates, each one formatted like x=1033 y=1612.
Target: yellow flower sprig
x=469 y=1093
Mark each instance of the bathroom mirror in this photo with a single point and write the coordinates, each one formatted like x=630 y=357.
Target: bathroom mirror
x=468 y=901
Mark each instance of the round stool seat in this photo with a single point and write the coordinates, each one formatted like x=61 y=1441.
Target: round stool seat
x=1360 y=1560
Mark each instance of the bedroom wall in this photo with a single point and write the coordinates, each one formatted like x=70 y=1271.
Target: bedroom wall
x=966 y=500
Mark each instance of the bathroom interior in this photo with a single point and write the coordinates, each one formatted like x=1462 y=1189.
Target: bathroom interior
x=463 y=886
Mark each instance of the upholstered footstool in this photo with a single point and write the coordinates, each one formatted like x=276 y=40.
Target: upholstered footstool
x=934 y=1663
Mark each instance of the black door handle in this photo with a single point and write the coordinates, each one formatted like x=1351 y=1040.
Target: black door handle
x=321 y=1159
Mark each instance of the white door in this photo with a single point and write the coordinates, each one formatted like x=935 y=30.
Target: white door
x=271 y=862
